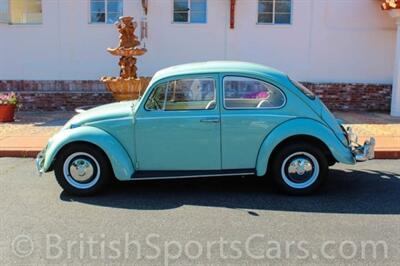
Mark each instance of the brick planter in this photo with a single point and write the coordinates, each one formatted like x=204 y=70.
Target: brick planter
x=69 y=94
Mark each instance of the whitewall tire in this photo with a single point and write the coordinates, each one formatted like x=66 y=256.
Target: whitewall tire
x=82 y=169
x=299 y=168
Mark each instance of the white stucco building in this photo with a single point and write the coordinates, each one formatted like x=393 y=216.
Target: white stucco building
x=317 y=41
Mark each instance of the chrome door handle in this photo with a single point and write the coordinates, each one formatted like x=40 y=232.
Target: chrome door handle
x=210 y=120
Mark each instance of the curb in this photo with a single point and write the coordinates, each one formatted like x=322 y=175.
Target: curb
x=19 y=153
x=387 y=154
x=379 y=154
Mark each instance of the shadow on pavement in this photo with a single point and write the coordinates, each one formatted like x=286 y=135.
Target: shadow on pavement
x=43 y=119
x=346 y=191
x=53 y=123
x=370 y=118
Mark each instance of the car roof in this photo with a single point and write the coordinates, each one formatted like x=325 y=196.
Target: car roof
x=235 y=67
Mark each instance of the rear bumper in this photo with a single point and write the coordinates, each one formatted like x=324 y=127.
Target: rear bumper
x=363 y=152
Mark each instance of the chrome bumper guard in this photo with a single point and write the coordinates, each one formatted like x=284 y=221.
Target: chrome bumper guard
x=40 y=162
x=364 y=152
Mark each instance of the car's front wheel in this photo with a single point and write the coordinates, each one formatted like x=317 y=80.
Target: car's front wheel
x=82 y=169
x=299 y=168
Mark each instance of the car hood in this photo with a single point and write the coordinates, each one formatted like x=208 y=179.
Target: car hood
x=102 y=112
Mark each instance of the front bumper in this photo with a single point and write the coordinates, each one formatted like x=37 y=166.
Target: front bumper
x=39 y=162
x=363 y=152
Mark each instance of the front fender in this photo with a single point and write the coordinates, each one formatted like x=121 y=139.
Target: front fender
x=120 y=161
x=302 y=126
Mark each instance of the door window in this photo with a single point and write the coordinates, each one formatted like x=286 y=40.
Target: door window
x=247 y=93
x=183 y=94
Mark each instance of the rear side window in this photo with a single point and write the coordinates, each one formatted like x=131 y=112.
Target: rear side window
x=183 y=94
x=303 y=89
x=248 y=93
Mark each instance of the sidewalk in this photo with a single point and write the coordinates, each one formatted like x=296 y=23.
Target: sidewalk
x=383 y=127
x=27 y=136
x=29 y=133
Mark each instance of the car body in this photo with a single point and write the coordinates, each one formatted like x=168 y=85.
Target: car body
x=205 y=119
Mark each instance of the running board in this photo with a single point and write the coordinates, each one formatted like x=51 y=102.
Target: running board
x=154 y=175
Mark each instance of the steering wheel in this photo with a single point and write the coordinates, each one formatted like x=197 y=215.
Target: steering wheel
x=210 y=103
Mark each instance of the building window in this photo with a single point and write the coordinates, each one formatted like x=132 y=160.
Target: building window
x=105 y=11
x=21 y=11
x=190 y=11
x=274 y=11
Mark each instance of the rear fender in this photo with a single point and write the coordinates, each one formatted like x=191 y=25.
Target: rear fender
x=302 y=126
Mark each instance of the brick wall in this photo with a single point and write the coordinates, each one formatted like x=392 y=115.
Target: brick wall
x=353 y=97
x=67 y=95
x=57 y=95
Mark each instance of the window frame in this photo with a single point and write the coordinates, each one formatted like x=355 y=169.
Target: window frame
x=252 y=108
x=189 y=14
x=105 y=12
x=9 y=22
x=274 y=14
x=168 y=81
x=7 y=19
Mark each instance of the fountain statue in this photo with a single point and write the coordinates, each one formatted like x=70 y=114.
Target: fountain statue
x=127 y=86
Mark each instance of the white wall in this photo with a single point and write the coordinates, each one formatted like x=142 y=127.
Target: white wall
x=328 y=41
x=65 y=46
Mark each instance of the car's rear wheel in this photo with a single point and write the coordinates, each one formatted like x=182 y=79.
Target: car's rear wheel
x=82 y=169
x=299 y=168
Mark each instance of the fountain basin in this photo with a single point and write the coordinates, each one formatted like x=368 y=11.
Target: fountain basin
x=127 y=51
x=126 y=89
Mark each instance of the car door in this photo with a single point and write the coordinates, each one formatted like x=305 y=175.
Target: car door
x=251 y=109
x=178 y=126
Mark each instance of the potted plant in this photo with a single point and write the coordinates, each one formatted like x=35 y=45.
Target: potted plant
x=8 y=103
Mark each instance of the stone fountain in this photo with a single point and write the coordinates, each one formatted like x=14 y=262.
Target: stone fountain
x=127 y=86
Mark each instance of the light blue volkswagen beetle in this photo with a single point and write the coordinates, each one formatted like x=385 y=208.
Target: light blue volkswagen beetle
x=205 y=119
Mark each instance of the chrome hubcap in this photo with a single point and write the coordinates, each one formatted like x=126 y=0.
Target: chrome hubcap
x=300 y=167
x=81 y=170
x=300 y=170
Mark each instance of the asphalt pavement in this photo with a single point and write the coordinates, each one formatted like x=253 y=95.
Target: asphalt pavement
x=353 y=219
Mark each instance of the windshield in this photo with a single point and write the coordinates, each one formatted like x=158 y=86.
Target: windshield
x=303 y=89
